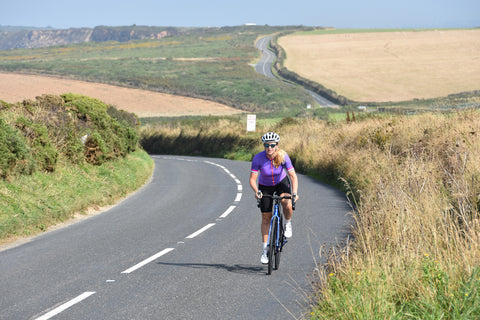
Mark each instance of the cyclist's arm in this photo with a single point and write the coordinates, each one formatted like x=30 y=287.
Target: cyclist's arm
x=294 y=180
x=253 y=181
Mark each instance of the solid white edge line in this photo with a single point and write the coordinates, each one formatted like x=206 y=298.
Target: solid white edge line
x=196 y=233
x=227 y=212
x=238 y=198
x=148 y=260
x=65 y=306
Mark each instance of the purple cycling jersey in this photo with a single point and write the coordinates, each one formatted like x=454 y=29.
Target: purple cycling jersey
x=269 y=175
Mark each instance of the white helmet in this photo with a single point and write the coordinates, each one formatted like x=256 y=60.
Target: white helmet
x=270 y=136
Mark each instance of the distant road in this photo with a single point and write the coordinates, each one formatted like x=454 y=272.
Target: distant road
x=185 y=246
x=264 y=67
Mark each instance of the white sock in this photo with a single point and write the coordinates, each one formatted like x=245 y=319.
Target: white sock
x=265 y=245
x=287 y=221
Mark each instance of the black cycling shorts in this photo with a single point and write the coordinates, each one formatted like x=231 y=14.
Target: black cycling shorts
x=266 y=203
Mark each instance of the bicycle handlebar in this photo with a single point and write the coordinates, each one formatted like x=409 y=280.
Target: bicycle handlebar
x=275 y=197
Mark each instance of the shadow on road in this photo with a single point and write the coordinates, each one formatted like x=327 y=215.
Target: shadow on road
x=236 y=268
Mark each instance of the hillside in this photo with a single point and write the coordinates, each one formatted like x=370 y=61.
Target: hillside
x=51 y=37
x=25 y=37
x=207 y=63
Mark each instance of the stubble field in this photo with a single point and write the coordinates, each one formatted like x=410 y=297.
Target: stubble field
x=17 y=87
x=388 y=66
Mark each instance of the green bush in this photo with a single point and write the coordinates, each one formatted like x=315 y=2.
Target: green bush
x=43 y=150
x=14 y=152
x=109 y=134
x=35 y=134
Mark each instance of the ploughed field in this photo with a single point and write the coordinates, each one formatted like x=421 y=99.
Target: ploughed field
x=18 y=87
x=388 y=66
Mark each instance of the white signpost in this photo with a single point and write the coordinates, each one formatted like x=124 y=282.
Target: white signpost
x=251 y=121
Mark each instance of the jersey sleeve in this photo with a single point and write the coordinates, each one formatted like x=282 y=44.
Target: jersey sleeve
x=255 y=165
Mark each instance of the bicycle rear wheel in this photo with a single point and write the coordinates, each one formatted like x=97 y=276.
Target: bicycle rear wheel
x=271 y=246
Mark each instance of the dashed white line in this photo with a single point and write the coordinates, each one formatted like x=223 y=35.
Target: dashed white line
x=196 y=233
x=65 y=306
x=238 y=198
x=148 y=260
x=87 y=294
x=227 y=212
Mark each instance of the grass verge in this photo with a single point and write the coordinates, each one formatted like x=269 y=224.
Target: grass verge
x=32 y=203
x=415 y=185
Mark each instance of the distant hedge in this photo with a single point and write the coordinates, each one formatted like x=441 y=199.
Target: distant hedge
x=35 y=134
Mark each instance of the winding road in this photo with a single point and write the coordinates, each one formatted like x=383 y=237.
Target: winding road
x=185 y=246
x=264 y=67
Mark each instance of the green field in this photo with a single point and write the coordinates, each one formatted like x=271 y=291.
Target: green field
x=215 y=65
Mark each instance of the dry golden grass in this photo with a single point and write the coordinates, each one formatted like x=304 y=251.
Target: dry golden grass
x=391 y=66
x=416 y=184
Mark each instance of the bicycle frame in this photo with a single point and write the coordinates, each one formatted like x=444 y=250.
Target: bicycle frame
x=279 y=215
x=276 y=238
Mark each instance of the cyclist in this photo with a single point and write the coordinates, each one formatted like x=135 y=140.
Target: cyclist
x=271 y=167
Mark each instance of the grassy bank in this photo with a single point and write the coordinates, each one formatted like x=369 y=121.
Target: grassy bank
x=415 y=184
x=60 y=155
x=32 y=203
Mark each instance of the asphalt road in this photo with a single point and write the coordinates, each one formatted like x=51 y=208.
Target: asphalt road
x=185 y=246
x=264 y=67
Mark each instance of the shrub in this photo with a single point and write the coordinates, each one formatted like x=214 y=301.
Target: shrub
x=109 y=133
x=36 y=133
x=14 y=151
x=44 y=152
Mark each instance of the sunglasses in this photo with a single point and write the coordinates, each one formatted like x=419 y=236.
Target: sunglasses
x=273 y=145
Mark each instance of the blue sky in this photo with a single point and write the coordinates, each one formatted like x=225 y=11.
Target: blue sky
x=195 y=13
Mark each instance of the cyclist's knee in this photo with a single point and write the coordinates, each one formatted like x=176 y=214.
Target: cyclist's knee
x=266 y=217
x=287 y=204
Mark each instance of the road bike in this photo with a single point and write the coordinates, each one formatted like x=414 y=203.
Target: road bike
x=276 y=237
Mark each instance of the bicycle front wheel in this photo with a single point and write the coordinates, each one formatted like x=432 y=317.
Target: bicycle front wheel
x=279 y=235
x=271 y=245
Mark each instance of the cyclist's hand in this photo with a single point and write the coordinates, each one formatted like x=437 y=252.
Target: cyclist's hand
x=295 y=198
x=259 y=195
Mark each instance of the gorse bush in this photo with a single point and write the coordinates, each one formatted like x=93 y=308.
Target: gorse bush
x=42 y=148
x=14 y=152
x=34 y=135
x=106 y=136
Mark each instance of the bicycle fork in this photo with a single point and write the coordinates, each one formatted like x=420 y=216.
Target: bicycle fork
x=278 y=245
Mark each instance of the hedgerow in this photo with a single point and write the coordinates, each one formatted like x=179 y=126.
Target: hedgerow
x=35 y=134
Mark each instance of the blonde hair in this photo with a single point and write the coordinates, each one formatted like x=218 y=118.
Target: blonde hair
x=279 y=158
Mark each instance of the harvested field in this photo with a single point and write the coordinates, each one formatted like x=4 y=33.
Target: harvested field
x=17 y=87
x=388 y=66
